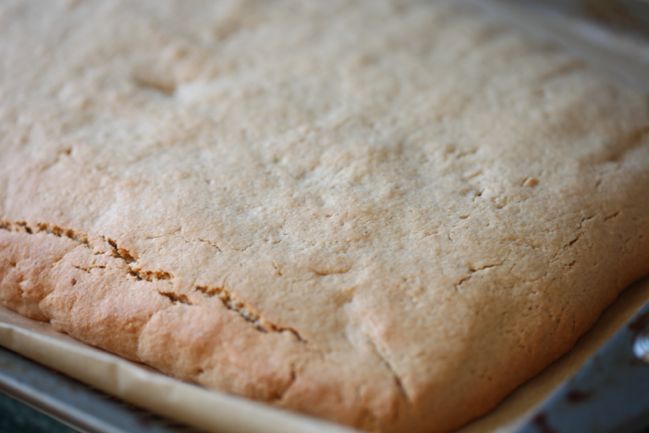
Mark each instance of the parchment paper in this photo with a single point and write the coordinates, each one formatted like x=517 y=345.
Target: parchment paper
x=217 y=412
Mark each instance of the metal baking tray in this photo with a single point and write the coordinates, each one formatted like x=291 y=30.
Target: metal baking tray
x=73 y=403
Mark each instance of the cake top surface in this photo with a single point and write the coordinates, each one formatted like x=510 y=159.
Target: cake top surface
x=385 y=213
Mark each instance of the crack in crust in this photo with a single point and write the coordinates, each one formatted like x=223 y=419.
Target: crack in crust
x=386 y=363
x=278 y=397
x=176 y=298
x=473 y=270
x=580 y=231
x=232 y=302
x=129 y=258
x=110 y=247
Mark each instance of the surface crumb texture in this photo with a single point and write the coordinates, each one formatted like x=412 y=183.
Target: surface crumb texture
x=388 y=214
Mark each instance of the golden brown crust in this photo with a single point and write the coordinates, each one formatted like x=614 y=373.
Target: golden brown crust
x=388 y=214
